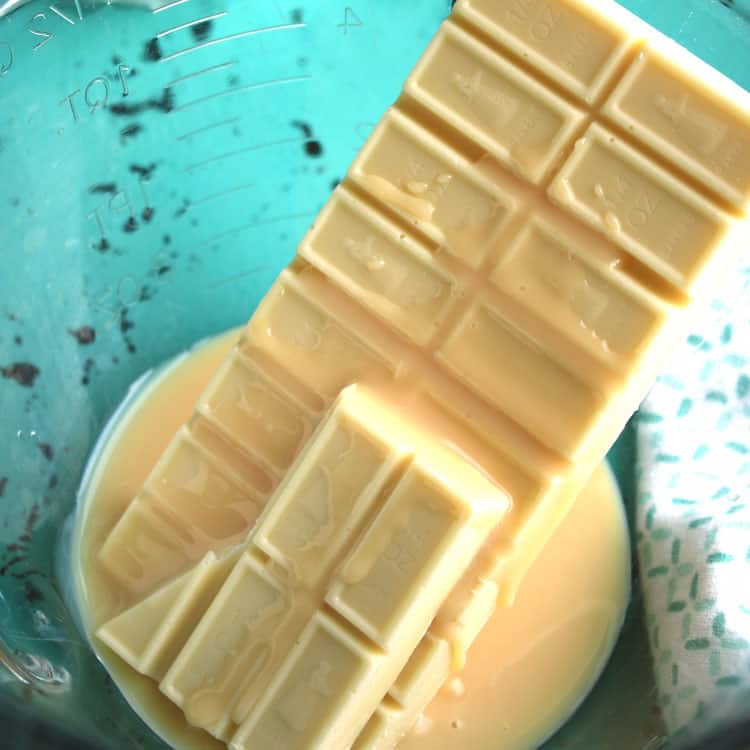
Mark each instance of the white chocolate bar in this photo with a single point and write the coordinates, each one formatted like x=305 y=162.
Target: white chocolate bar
x=503 y=271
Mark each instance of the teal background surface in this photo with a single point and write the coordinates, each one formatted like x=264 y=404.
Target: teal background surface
x=154 y=178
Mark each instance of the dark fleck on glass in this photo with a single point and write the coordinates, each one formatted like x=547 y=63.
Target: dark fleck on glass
x=24 y=373
x=304 y=127
x=103 y=187
x=164 y=103
x=152 y=50
x=87 y=367
x=314 y=148
x=143 y=171
x=132 y=130
x=125 y=326
x=84 y=335
x=201 y=31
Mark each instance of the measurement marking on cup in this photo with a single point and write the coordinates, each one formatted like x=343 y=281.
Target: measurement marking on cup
x=46 y=36
x=167 y=6
x=232 y=37
x=122 y=208
x=351 y=20
x=241 y=90
x=246 y=150
x=65 y=18
x=241 y=275
x=187 y=25
x=96 y=93
x=253 y=225
x=6 y=58
x=206 y=128
x=222 y=194
x=198 y=73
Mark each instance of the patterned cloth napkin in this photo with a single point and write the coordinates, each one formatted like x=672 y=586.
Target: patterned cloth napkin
x=693 y=512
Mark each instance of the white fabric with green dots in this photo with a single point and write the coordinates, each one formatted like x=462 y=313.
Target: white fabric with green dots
x=694 y=511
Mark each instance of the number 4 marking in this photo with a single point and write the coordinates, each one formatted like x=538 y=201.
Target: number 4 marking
x=351 y=20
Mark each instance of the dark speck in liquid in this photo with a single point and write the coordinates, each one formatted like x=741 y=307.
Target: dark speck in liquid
x=18 y=340
x=103 y=245
x=148 y=214
x=3 y=485
x=298 y=15
x=46 y=450
x=130 y=226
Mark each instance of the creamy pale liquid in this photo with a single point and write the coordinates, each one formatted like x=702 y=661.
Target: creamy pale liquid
x=525 y=674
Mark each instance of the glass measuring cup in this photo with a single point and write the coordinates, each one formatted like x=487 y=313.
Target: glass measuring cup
x=160 y=166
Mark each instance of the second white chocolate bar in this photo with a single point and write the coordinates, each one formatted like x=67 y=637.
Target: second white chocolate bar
x=359 y=547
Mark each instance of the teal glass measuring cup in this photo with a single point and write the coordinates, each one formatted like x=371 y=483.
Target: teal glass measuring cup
x=159 y=162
